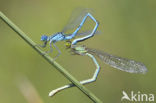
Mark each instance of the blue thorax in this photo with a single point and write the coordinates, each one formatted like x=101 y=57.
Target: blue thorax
x=53 y=38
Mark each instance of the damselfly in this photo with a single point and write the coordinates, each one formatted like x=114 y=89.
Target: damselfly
x=61 y=36
x=123 y=64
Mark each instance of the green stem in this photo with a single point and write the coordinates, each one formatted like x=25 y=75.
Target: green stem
x=49 y=59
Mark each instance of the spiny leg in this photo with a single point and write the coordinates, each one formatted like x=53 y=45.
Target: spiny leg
x=53 y=92
x=51 y=49
x=42 y=46
x=59 y=52
x=91 y=34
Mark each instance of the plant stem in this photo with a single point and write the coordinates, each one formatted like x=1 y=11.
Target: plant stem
x=49 y=59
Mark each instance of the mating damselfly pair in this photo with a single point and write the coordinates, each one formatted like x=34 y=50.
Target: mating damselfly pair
x=123 y=64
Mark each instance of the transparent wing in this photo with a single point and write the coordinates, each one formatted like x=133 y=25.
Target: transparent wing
x=120 y=63
x=86 y=33
x=75 y=19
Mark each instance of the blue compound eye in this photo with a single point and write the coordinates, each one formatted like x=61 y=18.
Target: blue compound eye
x=44 y=38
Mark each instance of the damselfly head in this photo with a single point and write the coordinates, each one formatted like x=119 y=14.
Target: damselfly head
x=44 y=38
x=68 y=44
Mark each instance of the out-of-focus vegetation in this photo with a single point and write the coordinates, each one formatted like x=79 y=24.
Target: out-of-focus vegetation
x=127 y=29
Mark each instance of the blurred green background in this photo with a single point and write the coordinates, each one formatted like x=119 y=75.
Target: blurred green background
x=127 y=30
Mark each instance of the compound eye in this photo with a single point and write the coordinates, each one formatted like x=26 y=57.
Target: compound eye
x=44 y=38
x=68 y=45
